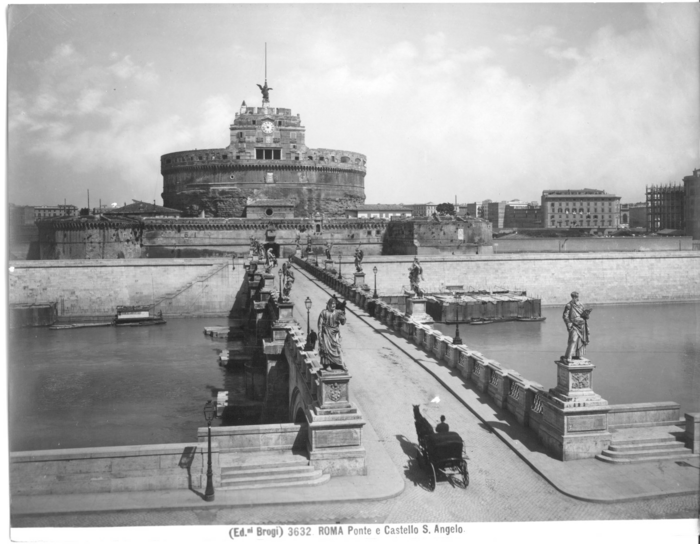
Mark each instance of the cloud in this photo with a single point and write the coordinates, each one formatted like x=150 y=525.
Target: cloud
x=91 y=118
x=624 y=114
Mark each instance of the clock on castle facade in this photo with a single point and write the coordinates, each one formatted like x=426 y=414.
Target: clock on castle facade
x=267 y=158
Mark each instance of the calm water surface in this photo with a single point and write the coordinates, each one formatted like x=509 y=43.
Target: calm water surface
x=116 y=386
x=112 y=386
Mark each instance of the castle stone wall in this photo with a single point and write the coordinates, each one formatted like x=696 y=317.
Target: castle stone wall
x=430 y=237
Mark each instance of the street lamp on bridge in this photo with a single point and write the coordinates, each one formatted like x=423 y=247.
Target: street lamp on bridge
x=340 y=262
x=307 y=303
x=209 y=413
x=375 y=282
x=457 y=340
x=279 y=273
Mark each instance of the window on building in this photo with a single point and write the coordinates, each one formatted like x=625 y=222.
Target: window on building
x=268 y=154
x=292 y=135
x=279 y=123
x=253 y=121
x=240 y=135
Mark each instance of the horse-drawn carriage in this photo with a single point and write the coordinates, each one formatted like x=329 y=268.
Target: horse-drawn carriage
x=441 y=453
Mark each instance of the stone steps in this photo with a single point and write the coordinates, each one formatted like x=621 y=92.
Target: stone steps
x=644 y=448
x=273 y=470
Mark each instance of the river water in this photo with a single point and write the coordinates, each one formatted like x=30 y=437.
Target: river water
x=642 y=352
x=115 y=386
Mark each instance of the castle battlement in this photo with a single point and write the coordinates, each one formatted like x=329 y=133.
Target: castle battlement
x=267 y=158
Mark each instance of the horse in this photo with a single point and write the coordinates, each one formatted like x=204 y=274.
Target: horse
x=423 y=427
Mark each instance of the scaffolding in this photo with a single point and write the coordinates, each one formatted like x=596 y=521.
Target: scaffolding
x=665 y=207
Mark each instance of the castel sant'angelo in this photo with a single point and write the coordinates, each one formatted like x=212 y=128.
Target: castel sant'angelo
x=265 y=185
x=267 y=158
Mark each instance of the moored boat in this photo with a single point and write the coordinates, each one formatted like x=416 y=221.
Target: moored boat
x=137 y=316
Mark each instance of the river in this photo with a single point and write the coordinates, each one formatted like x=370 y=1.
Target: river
x=116 y=386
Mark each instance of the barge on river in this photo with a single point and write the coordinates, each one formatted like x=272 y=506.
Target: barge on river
x=134 y=316
x=483 y=307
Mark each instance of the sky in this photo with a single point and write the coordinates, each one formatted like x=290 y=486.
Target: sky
x=473 y=101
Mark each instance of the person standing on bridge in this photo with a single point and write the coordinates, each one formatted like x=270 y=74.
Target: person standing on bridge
x=329 y=322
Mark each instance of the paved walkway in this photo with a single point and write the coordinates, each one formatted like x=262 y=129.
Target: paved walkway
x=512 y=478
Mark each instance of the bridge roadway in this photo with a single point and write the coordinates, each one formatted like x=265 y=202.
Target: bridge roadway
x=386 y=382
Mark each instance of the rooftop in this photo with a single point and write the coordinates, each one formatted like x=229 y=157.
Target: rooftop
x=139 y=207
x=369 y=207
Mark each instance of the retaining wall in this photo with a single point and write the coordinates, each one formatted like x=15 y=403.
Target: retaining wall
x=578 y=245
x=110 y=470
x=599 y=277
x=90 y=288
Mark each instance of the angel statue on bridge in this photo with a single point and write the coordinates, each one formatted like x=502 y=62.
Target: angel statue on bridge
x=329 y=322
x=359 y=255
x=415 y=275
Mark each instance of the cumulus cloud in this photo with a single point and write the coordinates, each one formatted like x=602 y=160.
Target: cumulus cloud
x=94 y=119
x=621 y=114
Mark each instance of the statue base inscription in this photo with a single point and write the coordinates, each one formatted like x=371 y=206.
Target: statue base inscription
x=359 y=279
x=328 y=265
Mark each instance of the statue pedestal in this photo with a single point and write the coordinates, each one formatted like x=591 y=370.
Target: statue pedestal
x=297 y=253
x=328 y=265
x=359 y=279
x=574 y=418
x=286 y=312
x=415 y=309
x=335 y=427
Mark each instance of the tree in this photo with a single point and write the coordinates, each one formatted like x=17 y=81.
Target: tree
x=445 y=208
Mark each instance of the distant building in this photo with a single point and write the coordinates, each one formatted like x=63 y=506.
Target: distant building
x=496 y=213
x=380 y=211
x=143 y=209
x=665 y=207
x=580 y=208
x=633 y=215
x=423 y=210
x=692 y=204
x=475 y=209
x=60 y=210
x=522 y=215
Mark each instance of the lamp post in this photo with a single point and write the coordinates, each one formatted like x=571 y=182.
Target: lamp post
x=340 y=262
x=307 y=303
x=209 y=413
x=457 y=340
x=279 y=273
x=375 y=282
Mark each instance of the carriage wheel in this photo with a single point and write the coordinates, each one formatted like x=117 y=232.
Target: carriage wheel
x=432 y=476
x=465 y=473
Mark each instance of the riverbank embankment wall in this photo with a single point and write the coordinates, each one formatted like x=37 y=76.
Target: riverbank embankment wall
x=589 y=244
x=90 y=288
x=599 y=277
x=203 y=287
